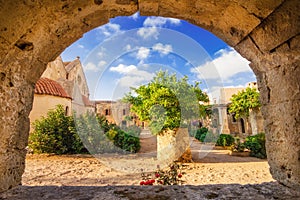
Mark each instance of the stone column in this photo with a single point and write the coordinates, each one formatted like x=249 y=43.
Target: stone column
x=16 y=95
x=280 y=96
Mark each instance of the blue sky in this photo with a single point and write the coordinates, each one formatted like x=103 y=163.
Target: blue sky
x=127 y=51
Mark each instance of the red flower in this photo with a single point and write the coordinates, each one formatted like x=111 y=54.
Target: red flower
x=142 y=183
x=152 y=181
x=157 y=175
x=179 y=175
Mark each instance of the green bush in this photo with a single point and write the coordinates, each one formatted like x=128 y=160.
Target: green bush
x=127 y=142
x=225 y=140
x=62 y=134
x=55 y=133
x=133 y=130
x=257 y=145
x=201 y=134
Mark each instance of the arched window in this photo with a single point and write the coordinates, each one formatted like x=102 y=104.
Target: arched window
x=67 y=111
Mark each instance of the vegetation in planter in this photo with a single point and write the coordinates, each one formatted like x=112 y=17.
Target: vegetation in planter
x=225 y=140
x=166 y=102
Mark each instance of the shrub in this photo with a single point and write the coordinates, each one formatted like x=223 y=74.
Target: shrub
x=201 y=134
x=58 y=134
x=133 y=130
x=225 y=140
x=55 y=133
x=127 y=142
x=256 y=144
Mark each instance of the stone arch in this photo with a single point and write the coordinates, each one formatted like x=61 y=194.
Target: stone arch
x=32 y=33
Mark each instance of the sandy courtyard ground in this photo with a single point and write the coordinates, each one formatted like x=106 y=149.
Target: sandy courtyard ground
x=211 y=166
x=213 y=175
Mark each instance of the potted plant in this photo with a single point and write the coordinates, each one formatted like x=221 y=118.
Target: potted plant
x=168 y=104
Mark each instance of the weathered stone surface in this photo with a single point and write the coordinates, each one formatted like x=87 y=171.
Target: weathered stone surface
x=32 y=33
x=263 y=191
x=172 y=145
x=279 y=27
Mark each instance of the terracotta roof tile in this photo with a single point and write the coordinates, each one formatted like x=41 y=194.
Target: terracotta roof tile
x=86 y=101
x=51 y=87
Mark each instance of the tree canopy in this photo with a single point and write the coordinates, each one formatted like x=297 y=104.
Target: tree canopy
x=243 y=101
x=167 y=102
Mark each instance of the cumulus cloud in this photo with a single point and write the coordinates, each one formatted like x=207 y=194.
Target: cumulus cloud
x=91 y=67
x=101 y=53
x=132 y=76
x=102 y=64
x=127 y=47
x=135 y=16
x=162 y=49
x=148 y=32
x=160 y=21
x=151 y=25
x=109 y=29
x=226 y=65
x=142 y=53
x=123 y=69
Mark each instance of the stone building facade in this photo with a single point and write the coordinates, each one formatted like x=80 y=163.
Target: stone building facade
x=62 y=83
x=228 y=124
x=118 y=112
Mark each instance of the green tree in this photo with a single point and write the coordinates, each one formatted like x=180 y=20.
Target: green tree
x=244 y=101
x=167 y=102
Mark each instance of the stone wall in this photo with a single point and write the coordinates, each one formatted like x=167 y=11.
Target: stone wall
x=32 y=33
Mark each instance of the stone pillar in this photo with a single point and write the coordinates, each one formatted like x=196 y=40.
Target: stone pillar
x=280 y=96
x=16 y=95
x=174 y=145
x=253 y=121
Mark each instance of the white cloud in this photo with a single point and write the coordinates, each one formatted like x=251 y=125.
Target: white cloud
x=162 y=49
x=123 y=69
x=133 y=77
x=109 y=29
x=102 y=64
x=101 y=52
x=127 y=47
x=80 y=46
x=135 y=16
x=143 y=53
x=228 y=64
x=160 y=21
x=148 y=32
x=91 y=67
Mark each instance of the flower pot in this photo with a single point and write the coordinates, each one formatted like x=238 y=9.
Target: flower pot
x=174 y=145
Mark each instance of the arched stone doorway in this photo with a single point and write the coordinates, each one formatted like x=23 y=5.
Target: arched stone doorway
x=32 y=33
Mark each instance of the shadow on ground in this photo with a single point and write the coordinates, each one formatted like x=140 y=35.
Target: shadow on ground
x=271 y=190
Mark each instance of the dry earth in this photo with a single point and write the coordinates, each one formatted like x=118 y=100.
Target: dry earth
x=213 y=175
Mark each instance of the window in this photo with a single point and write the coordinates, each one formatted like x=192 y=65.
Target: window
x=67 y=111
x=106 y=112
x=233 y=117
x=124 y=112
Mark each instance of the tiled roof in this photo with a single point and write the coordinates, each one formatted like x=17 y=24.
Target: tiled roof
x=50 y=87
x=86 y=101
